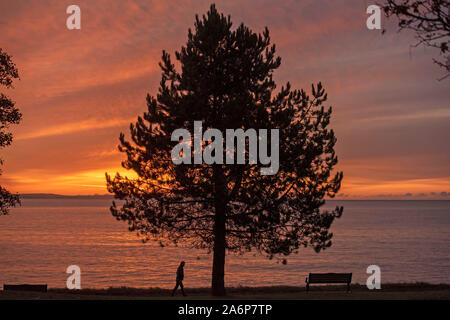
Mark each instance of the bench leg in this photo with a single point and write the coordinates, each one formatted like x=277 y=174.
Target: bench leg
x=307 y=287
x=348 y=287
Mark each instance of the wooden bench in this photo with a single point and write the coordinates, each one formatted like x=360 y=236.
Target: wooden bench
x=329 y=278
x=25 y=287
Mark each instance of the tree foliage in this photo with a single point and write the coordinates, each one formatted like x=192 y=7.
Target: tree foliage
x=226 y=81
x=9 y=114
x=429 y=19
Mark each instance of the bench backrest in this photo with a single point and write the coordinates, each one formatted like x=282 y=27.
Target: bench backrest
x=25 y=287
x=330 y=278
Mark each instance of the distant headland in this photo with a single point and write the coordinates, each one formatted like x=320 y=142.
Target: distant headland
x=60 y=196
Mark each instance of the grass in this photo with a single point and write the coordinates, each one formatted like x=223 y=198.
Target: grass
x=413 y=291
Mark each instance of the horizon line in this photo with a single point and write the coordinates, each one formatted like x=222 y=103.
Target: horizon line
x=43 y=195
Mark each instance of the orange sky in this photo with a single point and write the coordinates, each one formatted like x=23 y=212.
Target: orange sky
x=80 y=89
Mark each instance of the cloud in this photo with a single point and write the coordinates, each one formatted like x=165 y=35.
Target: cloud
x=79 y=182
x=73 y=127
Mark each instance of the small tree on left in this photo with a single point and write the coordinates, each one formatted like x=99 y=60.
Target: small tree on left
x=9 y=114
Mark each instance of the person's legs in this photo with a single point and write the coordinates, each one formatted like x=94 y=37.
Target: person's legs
x=182 y=288
x=176 y=287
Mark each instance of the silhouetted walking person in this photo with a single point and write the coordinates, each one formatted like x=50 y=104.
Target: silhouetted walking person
x=180 y=277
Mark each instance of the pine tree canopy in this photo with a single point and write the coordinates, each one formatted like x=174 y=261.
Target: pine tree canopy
x=223 y=77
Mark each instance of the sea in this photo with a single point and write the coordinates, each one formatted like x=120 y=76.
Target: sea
x=408 y=240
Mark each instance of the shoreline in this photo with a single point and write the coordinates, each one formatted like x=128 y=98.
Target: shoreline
x=388 y=291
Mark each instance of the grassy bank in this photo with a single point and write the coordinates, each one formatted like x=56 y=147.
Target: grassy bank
x=421 y=291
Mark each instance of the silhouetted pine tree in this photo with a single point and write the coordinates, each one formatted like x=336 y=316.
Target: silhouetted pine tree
x=226 y=82
x=9 y=114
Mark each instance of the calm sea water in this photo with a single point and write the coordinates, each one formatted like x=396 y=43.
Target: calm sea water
x=409 y=240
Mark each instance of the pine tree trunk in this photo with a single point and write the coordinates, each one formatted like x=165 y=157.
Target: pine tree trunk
x=218 y=270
